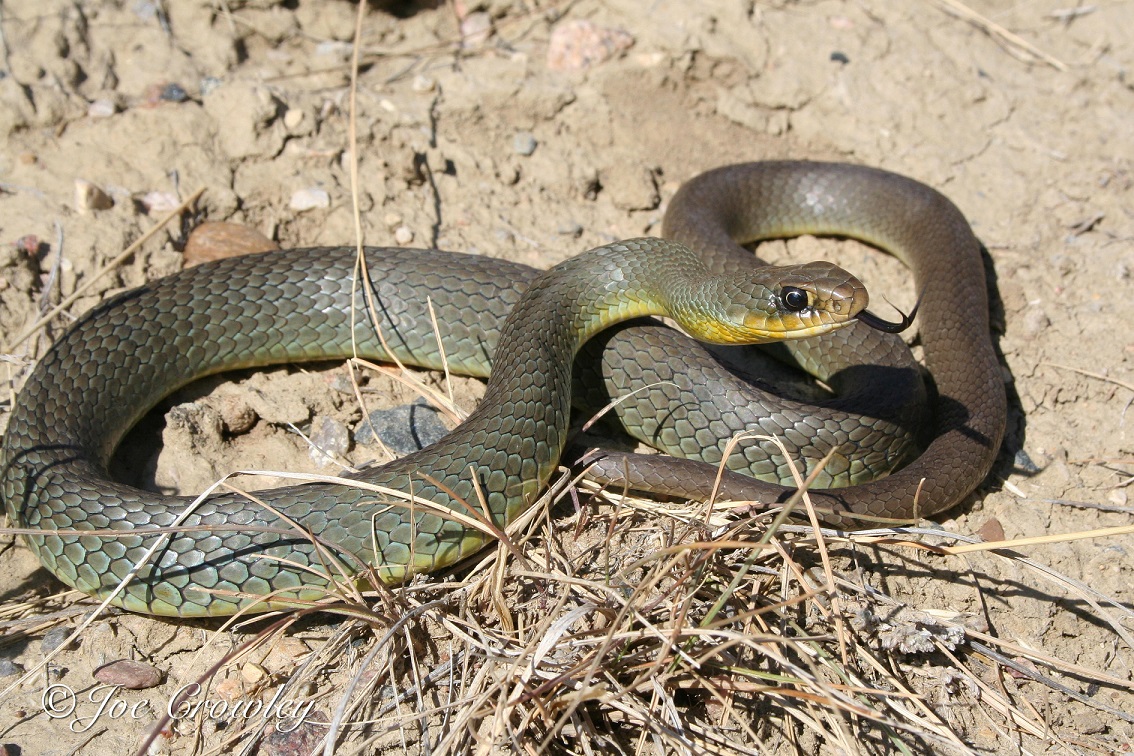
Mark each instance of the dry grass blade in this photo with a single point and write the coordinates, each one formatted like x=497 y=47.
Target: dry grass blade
x=1016 y=45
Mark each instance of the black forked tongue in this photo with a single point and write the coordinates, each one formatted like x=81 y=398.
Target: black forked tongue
x=872 y=320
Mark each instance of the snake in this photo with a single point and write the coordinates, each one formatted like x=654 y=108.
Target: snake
x=227 y=553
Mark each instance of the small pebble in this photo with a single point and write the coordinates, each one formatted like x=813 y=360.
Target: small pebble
x=991 y=531
x=208 y=84
x=253 y=673
x=310 y=199
x=54 y=638
x=160 y=202
x=576 y=45
x=403 y=429
x=217 y=240
x=476 y=28
x=524 y=143
x=90 y=197
x=1118 y=497
x=29 y=245
x=330 y=440
x=9 y=668
x=403 y=234
x=392 y=219
x=423 y=84
x=132 y=675
x=101 y=108
x=293 y=117
x=173 y=93
x=1024 y=463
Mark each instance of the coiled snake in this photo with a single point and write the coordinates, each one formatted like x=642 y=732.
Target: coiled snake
x=230 y=553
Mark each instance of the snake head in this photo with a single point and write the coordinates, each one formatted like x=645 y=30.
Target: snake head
x=780 y=303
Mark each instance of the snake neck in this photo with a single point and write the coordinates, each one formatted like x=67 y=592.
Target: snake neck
x=529 y=389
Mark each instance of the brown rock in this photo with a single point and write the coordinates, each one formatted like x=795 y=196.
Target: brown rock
x=218 y=240
x=90 y=197
x=132 y=675
x=991 y=531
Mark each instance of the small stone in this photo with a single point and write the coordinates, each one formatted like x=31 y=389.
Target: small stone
x=132 y=675
x=1118 y=497
x=253 y=673
x=310 y=199
x=392 y=219
x=403 y=429
x=576 y=45
x=217 y=240
x=330 y=440
x=476 y=28
x=524 y=143
x=160 y=203
x=90 y=197
x=173 y=93
x=991 y=531
x=292 y=118
x=423 y=84
x=1025 y=464
x=403 y=235
x=102 y=108
x=54 y=638
x=8 y=668
x=30 y=245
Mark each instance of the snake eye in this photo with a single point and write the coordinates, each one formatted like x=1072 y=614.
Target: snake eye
x=795 y=300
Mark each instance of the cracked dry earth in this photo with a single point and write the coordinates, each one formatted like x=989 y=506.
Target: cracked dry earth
x=476 y=133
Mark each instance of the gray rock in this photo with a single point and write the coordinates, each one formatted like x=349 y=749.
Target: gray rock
x=403 y=429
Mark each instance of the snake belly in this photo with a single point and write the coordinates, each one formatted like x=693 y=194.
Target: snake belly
x=228 y=552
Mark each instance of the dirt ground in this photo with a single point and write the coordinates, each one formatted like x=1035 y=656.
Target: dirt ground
x=476 y=133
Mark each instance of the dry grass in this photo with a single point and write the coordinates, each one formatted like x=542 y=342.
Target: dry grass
x=616 y=624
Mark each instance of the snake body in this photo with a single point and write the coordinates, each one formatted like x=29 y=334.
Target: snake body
x=125 y=355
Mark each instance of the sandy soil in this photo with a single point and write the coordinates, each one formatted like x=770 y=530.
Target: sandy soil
x=484 y=146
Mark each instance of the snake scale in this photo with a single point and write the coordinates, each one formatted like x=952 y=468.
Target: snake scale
x=229 y=553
